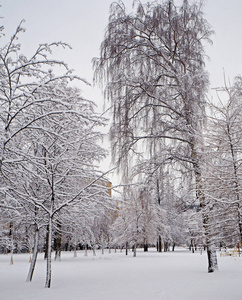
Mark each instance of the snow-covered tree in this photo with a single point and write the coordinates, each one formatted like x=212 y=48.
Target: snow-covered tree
x=224 y=174
x=49 y=144
x=152 y=66
x=138 y=220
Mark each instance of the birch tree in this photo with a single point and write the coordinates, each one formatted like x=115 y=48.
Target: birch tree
x=152 y=66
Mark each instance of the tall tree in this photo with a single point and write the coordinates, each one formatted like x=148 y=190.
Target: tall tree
x=152 y=65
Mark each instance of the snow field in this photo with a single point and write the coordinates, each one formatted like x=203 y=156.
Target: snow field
x=166 y=276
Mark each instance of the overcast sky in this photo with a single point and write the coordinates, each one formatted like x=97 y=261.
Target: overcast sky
x=81 y=23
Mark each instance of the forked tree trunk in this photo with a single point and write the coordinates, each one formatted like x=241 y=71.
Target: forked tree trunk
x=34 y=256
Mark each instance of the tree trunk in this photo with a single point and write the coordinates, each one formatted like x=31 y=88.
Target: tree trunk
x=34 y=256
x=75 y=246
x=57 y=242
x=75 y=253
x=211 y=249
x=159 y=244
x=173 y=246
x=240 y=229
x=192 y=246
x=146 y=247
x=166 y=246
x=212 y=259
x=11 y=242
x=134 y=248
x=11 y=258
x=58 y=248
x=48 y=268
x=30 y=255
x=46 y=242
x=126 y=248
x=102 y=242
x=94 y=249
x=236 y=180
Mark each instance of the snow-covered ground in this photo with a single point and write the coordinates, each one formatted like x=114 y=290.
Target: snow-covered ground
x=165 y=276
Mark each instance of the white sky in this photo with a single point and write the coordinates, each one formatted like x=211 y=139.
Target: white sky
x=81 y=23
